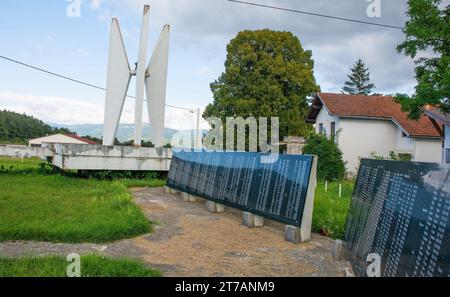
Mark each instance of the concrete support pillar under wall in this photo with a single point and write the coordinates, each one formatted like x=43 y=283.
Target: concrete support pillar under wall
x=340 y=250
x=214 y=207
x=292 y=234
x=166 y=190
x=250 y=220
x=169 y=190
x=188 y=197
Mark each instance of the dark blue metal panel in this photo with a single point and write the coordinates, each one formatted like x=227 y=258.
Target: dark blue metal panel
x=241 y=180
x=400 y=211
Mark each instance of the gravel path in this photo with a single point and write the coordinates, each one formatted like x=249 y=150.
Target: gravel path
x=190 y=241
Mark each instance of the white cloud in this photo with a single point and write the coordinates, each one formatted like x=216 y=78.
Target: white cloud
x=204 y=70
x=52 y=109
x=83 y=52
x=205 y=28
x=183 y=120
x=59 y=110
x=96 y=4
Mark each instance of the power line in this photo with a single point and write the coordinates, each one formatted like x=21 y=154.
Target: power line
x=78 y=81
x=53 y=73
x=315 y=14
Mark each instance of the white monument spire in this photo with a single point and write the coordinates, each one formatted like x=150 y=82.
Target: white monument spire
x=156 y=83
x=153 y=79
x=140 y=77
x=119 y=75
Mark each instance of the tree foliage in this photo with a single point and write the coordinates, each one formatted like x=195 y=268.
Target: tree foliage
x=267 y=74
x=330 y=165
x=428 y=29
x=359 y=80
x=19 y=128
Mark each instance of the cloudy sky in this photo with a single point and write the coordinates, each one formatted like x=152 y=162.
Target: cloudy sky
x=42 y=34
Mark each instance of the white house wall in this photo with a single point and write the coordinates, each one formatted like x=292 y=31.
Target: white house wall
x=361 y=137
x=446 y=142
x=326 y=119
x=447 y=137
x=428 y=150
x=405 y=145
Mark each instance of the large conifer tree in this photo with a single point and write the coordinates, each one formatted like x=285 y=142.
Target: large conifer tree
x=359 y=80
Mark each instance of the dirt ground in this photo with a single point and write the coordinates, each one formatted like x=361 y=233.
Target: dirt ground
x=190 y=241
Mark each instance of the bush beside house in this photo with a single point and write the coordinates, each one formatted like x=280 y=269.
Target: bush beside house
x=330 y=166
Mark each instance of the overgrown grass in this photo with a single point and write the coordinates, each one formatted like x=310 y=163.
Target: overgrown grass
x=91 y=266
x=28 y=166
x=330 y=211
x=38 y=205
x=144 y=183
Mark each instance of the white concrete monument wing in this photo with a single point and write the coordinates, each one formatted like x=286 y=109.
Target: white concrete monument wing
x=118 y=80
x=140 y=76
x=152 y=78
x=156 y=85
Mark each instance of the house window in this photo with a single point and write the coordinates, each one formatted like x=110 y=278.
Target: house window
x=333 y=131
x=320 y=128
x=447 y=156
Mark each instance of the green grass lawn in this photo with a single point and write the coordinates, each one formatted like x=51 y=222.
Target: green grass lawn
x=38 y=205
x=91 y=266
x=330 y=211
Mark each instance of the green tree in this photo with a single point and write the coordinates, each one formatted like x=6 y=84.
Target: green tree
x=267 y=74
x=18 y=128
x=330 y=165
x=428 y=29
x=92 y=138
x=359 y=80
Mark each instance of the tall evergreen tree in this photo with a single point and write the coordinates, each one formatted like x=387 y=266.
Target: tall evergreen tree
x=359 y=80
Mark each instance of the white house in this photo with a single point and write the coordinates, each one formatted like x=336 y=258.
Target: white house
x=364 y=126
x=60 y=138
x=441 y=122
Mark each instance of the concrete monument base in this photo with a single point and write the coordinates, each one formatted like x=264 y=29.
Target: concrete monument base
x=214 y=207
x=250 y=220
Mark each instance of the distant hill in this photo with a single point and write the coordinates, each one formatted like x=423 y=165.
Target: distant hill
x=124 y=133
x=16 y=128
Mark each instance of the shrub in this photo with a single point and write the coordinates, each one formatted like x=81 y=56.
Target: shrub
x=115 y=175
x=331 y=166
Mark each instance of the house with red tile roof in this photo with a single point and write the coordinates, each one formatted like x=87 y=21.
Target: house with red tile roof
x=441 y=122
x=60 y=138
x=363 y=126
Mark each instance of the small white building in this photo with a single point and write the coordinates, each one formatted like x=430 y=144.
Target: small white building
x=441 y=122
x=60 y=138
x=364 y=126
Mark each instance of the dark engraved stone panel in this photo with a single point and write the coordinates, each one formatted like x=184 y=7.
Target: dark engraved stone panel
x=241 y=180
x=400 y=211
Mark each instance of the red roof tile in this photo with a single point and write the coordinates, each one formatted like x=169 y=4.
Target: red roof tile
x=74 y=136
x=382 y=107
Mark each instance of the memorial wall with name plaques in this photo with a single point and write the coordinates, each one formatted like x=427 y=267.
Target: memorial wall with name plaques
x=400 y=211
x=275 y=190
